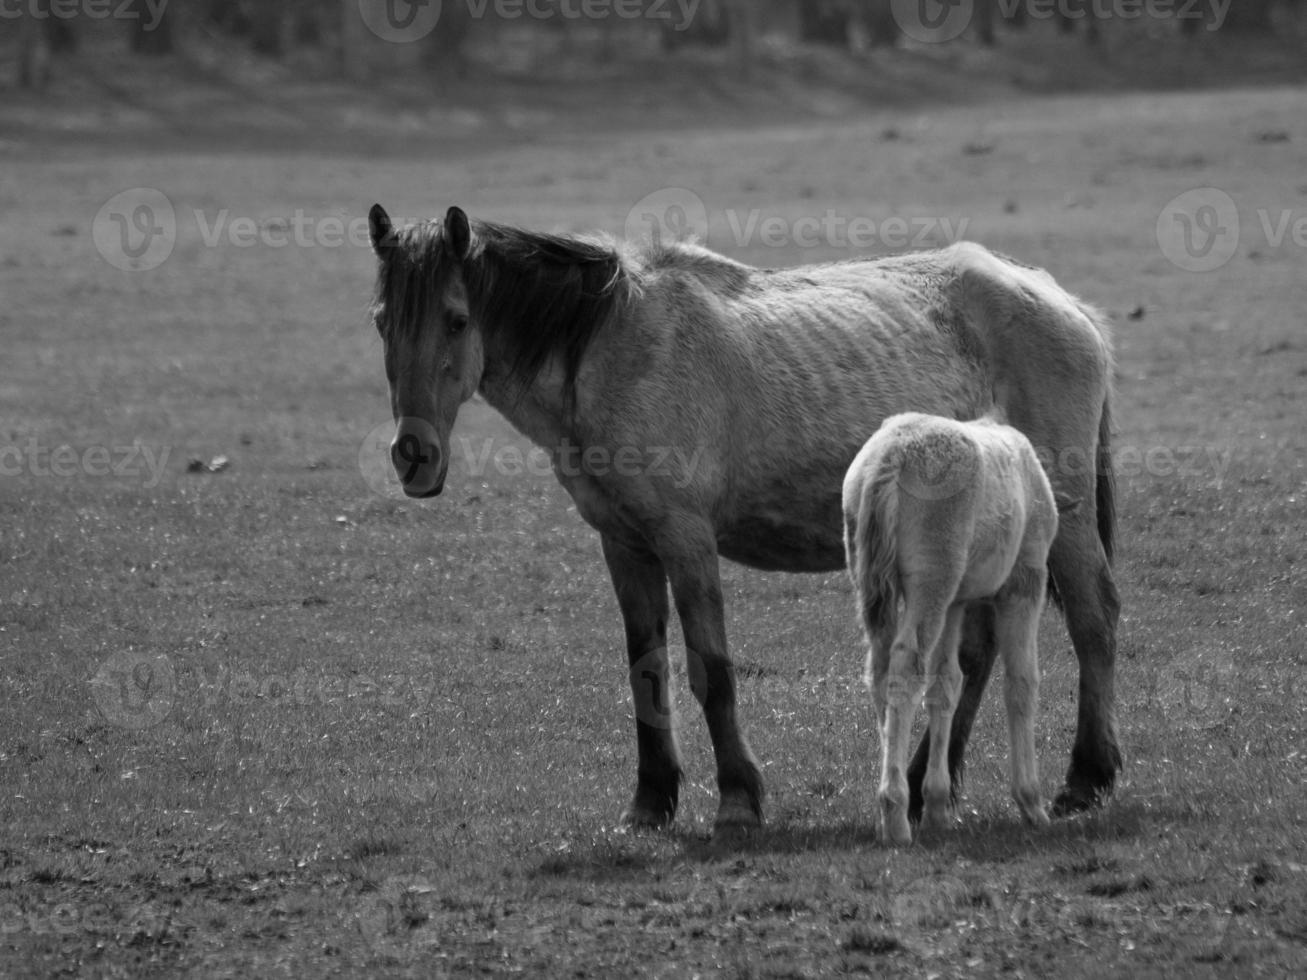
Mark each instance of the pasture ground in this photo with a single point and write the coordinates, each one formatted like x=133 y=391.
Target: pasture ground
x=266 y=721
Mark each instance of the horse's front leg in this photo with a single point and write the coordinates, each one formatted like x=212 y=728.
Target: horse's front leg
x=691 y=563
x=641 y=587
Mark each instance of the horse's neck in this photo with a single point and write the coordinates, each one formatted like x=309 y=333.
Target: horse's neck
x=539 y=412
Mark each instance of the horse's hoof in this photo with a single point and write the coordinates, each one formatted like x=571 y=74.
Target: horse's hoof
x=736 y=819
x=1073 y=800
x=646 y=818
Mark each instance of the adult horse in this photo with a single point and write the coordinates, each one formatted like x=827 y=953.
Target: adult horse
x=698 y=407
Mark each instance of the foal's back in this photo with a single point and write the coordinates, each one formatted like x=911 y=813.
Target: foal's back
x=971 y=494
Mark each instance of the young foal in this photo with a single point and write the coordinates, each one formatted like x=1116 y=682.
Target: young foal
x=939 y=514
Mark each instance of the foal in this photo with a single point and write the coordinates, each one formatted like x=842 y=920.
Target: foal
x=939 y=514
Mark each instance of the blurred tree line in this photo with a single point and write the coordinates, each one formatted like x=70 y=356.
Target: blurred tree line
x=47 y=30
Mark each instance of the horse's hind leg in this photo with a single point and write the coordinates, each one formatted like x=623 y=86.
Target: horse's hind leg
x=1089 y=598
x=943 y=684
x=691 y=564
x=919 y=630
x=641 y=590
x=1018 y=609
x=976 y=657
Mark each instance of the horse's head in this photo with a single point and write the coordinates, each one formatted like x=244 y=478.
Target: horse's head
x=433 y=354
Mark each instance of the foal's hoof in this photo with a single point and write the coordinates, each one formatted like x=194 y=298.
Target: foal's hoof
x=936 y=824
x=1037 y=818
x=895 y=836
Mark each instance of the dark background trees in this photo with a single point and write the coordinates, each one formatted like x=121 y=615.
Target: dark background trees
x=471 y=38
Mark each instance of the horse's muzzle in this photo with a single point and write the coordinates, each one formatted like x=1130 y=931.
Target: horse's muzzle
x=418 y=462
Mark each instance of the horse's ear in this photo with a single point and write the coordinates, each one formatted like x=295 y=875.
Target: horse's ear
x=380 y=229
x=458 y=234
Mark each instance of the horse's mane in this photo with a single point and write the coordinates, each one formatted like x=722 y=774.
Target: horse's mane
x=535 y=295
x=724 y=275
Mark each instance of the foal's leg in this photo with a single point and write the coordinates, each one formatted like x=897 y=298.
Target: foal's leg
x=976 y=657
x=876 y=678
x=944 y=682
x=1018 y=608
x=920 y=627
x=642 y=594
x=691 y=565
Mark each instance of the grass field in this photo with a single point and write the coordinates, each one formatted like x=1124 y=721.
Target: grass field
x=265 y=720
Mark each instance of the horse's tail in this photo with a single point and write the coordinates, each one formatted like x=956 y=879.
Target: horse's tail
x=878 y=514
x=1104 y=471
x=1105 y=483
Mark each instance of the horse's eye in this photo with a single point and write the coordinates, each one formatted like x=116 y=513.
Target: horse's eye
x=456 y=323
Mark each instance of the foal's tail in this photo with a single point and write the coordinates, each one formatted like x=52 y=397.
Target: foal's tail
x=878 y=514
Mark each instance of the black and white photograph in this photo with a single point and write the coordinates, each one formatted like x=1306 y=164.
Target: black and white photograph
x=746 y=489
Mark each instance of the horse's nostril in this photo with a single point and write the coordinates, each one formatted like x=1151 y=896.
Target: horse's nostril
x=410 y=455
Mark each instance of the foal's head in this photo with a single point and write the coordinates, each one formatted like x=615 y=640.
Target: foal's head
x=433 y=355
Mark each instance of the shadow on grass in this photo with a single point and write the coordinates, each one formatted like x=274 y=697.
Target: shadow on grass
x=632 y=855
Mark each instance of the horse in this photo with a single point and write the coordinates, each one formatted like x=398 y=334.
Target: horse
x=940 y=513
x=734 y=399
